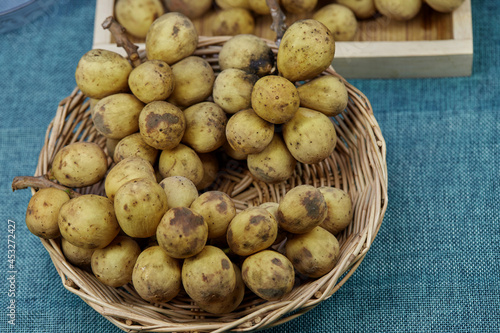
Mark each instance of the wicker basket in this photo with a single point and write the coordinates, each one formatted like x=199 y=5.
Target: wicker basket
x=358 y=166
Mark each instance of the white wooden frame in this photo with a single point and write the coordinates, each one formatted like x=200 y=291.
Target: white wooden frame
x=401 y=59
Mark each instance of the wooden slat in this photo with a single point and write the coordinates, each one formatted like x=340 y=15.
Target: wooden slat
x=431 y=45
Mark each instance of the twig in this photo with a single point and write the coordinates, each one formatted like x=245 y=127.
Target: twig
x=22 y=182
x=279 y=25
x=119 y=33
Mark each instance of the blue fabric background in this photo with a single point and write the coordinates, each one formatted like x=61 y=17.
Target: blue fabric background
x=435 y=264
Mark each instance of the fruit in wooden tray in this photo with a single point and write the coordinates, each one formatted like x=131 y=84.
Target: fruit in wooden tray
x=444 y=6
x=400 y=10
x=306 y=50
x=156 y=276
x=232 y=3
x=232 y=22
x=171 y=37
x=190 y=8
x=259 y=7
x=339 y=19
x=114 y=264
x=363 y=9
x=79 y=164
x=298 y=6
x=137 y=15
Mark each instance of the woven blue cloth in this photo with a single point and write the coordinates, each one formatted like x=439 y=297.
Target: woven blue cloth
x=435 y=264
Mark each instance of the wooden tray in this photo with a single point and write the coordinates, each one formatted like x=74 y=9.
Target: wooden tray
x=430 y=45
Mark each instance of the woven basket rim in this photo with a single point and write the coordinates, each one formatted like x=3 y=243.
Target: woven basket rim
x=366 y=181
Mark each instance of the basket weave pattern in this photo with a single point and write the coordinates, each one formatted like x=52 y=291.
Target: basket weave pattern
x=357 y=166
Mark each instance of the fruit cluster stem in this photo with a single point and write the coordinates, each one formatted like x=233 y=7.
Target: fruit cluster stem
x=22 y=182
x=119 y=33
x=278 y=25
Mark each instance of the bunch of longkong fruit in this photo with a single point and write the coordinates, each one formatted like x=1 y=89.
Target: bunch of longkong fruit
x=232 y=17
x=159 y=226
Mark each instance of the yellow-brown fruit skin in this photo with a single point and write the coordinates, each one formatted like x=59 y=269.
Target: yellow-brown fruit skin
x=252 y=230
x=139 y=206
x=310 y=136
x=114 y=264
x=306 y=50
x=80 y=164
x=444 y=6
x=400 y=10
x=314 y=253
x=171 y=37
x=162 y=125
x=209 y=276
x=340 y=209
x=101 y=73
x=136 y=16
x=268 y=274
x=182 y=233
x=43 y=210
x=302 y=209
x=217 y=210
x=275 y=99
x=156 y=276
x=88 y=221
x=326 y=94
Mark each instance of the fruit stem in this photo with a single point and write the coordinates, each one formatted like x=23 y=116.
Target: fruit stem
x=279 y=25
x=119 y=33
x=22 y=182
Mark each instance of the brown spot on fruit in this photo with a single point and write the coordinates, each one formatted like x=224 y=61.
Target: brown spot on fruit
x=307 y=253
x=277 y=262
x=254 y=220
x=184 y=218
x=225 y=264
x=153 y=120
x=312 y=203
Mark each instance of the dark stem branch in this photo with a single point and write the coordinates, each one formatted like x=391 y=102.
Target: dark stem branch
x=279 y=25
x=119 y=33
x=22 y=182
